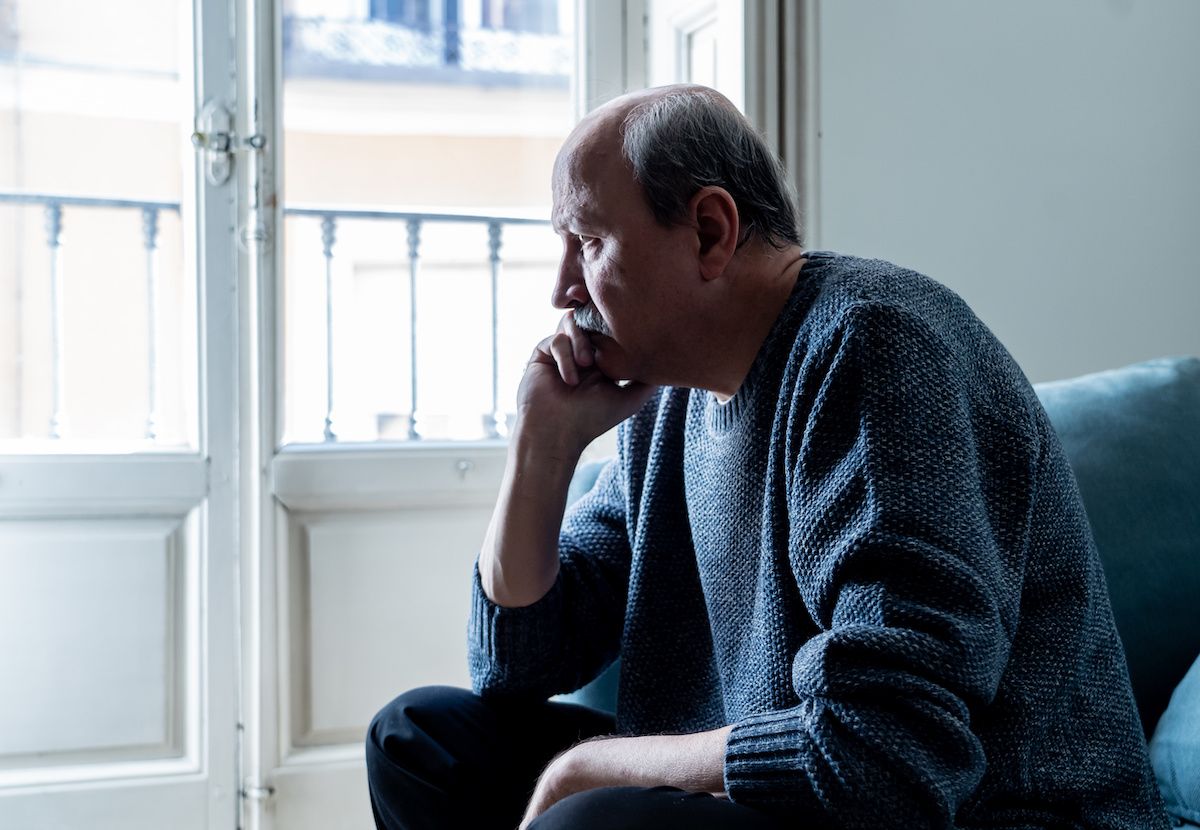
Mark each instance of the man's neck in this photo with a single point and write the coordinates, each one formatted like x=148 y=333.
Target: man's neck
x=735 y=340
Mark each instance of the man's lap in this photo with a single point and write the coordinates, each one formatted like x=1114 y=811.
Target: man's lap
x=441 y=756
x=443 y=748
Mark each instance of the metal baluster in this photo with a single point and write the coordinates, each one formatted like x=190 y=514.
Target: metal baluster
x=54 y=241
x=328 y=236
x=414 y=244
x=452 y=45
x=492 y=420
x=150 y=242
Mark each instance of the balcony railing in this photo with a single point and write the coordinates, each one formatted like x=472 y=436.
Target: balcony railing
x=494 y=419
x=53 y=207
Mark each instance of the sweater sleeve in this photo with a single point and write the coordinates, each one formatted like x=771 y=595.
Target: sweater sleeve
x=570 y=635
x=902 y=506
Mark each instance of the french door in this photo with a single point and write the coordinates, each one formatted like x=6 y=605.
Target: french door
x=239 y=500
x=420 y=235
x=119 y=538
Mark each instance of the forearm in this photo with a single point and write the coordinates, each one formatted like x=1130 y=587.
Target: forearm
x=694 y=762
x=518 y=562
x=563 y=403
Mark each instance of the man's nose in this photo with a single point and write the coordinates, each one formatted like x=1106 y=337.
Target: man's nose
x=570 y=291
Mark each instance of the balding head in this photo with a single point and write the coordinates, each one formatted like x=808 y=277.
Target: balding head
x=593 y=150
x=675 y=140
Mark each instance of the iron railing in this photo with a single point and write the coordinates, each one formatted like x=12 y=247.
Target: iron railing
x=53 y=206
x=414 y=222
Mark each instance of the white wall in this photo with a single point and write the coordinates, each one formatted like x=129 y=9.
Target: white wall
x=1042 y=158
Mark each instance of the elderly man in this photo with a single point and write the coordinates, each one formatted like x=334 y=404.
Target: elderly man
x=840 y=553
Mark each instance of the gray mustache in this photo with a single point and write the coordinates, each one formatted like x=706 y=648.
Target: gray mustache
x=589 y=319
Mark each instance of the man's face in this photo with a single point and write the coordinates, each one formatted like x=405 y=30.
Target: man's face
x=621 y=270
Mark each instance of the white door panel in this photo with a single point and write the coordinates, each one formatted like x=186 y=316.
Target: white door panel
x=93 y=615
x=372 y=614
x=118 y=612
x=81 y=485
x=330 y=793
x=374 y=600
x=144 y=804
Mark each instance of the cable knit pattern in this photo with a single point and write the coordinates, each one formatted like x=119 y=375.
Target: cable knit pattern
x=873 y=562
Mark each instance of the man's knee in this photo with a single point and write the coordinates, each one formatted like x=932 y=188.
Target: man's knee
x=409 y=762
x=425 y=700
x=395 y=722
x=606 y=808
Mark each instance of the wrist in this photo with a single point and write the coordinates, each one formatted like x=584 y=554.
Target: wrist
x=576 y=771
x=534 y=443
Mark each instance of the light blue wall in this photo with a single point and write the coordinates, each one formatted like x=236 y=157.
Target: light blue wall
x=1040 y=157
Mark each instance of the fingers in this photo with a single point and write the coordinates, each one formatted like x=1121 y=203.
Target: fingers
x=582 y=346
x=564 y=358
x=570 y=350
x=556 y=349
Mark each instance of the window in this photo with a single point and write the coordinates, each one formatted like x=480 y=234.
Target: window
x=419 y=259
x=97 y=309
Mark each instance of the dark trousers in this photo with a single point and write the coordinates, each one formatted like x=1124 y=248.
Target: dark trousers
x=444 y=758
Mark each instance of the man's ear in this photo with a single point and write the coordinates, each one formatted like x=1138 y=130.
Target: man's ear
x=715 y=218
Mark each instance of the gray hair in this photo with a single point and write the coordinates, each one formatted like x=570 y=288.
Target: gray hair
x=689 y=139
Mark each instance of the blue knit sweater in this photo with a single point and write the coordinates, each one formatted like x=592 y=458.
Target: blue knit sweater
x=873 y=562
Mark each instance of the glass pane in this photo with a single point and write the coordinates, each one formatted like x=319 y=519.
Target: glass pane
x=97 y=311
x=419 y=140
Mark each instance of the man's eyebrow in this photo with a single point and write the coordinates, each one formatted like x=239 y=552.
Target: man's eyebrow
x=584 y=217
x=571 y=221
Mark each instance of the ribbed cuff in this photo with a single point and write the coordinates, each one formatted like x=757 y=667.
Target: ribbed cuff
x=505 y=644
x=763 y=761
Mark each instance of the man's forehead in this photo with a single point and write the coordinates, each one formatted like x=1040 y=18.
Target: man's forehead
x=569 y=211
x=585 y=155
x=581 y=171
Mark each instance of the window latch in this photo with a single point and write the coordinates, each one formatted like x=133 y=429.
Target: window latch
x=215 y=138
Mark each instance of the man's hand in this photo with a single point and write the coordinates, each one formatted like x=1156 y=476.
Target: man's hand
x=563 y=404
x=565 y=397
x=695 y=763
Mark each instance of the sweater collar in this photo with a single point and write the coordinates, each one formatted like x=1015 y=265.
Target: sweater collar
x=722 y=417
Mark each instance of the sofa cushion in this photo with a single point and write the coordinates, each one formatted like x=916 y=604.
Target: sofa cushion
x=1133 y=438
x=583 y=480
x=601 y=693
x=1175 y=749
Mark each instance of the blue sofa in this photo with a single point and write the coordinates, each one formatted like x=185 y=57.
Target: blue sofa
x=1133 y=437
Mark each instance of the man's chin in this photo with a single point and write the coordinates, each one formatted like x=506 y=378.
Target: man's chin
x=611 y=361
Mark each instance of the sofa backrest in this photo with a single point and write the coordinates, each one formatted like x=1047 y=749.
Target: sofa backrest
x=1133 y=437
